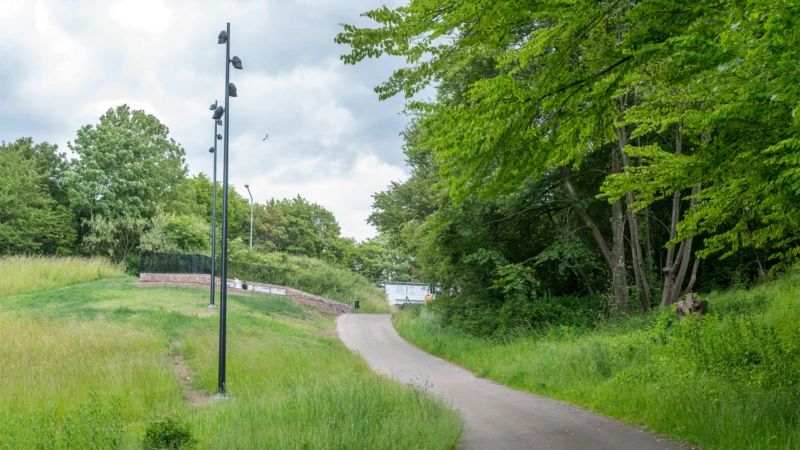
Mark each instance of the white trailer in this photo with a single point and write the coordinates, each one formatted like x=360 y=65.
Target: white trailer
x=403 y=294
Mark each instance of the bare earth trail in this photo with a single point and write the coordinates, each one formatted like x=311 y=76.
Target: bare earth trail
x=497 y=417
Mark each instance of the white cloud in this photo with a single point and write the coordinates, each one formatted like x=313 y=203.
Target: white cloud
x=341 y=191
x=148 y=16
x=330 y=139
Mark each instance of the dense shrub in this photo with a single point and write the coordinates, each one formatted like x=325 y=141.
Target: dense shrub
x=168 y=434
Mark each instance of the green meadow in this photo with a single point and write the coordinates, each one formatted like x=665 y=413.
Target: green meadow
x=102 y=363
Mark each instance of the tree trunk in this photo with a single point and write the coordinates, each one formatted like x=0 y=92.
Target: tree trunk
x=761 y=273
x=619 y=280
x=687 y=254
x=585 y=279
x=584 y=216
x=637 y=258
x=666 y=288
x=677 y=264
x=694 y=277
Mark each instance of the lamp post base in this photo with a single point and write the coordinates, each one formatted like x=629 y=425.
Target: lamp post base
x=212 y=306
x=221 y=398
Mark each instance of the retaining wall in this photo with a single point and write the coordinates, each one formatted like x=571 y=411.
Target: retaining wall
x=294 y=294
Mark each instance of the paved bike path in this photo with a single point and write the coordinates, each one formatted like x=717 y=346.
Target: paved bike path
x=497 y=417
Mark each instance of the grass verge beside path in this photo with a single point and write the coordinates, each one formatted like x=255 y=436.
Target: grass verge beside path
x=90 y=366
x=26 y=274
x=730 y=381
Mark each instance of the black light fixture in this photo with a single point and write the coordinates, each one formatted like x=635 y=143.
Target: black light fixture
x=218 y=112
x=219 y=137
x=219 y=122
x=225 y=38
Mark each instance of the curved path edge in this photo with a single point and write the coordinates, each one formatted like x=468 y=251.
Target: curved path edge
x=497 y=417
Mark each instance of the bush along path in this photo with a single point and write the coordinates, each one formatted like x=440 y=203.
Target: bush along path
x=496 y=417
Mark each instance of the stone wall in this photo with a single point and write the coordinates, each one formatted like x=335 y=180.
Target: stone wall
x=197 y=278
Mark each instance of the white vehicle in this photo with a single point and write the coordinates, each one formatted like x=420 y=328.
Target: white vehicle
x=404 y=294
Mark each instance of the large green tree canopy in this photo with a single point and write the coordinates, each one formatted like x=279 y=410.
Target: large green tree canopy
x=550 y=81
x=127 y=165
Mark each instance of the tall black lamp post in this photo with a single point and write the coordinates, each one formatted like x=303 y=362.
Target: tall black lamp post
x=217 y=121
x=230 y=91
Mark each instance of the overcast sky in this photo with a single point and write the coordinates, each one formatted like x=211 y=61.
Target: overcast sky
x=65 y=62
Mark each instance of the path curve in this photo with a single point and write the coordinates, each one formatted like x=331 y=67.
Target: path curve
x=497 y=417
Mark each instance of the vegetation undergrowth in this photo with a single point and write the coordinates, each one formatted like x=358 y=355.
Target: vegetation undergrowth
x=311 y=275
x=26 y=274
x=728 y=381
x=93 y=366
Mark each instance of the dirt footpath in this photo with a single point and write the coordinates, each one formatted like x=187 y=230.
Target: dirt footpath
x=496 y=416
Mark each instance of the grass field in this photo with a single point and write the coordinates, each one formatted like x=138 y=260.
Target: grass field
x=728 y=382
x=25 y=274
x=94 y=365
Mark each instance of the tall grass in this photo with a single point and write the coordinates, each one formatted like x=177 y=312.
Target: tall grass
x=316 y=277
x=26 y=274
x=89 y=366
x=730 y=381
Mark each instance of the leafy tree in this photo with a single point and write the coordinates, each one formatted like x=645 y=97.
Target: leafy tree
x=312 y=230
x=117 y=238
x=526 y=90
x=48 y=163
x=378 y=261
x=31 y=221
x=269 y=228
x=127 y=167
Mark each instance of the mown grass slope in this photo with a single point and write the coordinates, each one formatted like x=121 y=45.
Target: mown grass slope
x=90 y=366
x=729 y=381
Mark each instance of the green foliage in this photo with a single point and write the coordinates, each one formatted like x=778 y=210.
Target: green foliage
x=378 y=261
x=115 y=237
x=127 y=166
x=187 y=233
x=733 y=374
x=31 y=221
x=48 y=163
x=311 y=229
x=168 y=434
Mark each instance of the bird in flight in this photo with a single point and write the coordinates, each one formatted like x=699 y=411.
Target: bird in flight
x=265 y=138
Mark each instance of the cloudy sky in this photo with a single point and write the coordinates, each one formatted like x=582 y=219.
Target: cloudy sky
x=65 y=62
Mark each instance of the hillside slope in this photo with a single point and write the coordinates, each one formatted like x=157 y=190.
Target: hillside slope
x=311 y=275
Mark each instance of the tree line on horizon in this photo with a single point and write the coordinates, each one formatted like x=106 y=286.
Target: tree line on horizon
x=638 y=150
x=127 y=190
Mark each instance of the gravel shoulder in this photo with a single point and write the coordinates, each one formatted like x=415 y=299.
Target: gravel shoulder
x=496 y=417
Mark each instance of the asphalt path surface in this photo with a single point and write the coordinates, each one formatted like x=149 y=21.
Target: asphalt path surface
x=497 y=417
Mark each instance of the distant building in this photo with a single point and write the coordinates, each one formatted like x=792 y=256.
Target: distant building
x=403 y=294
